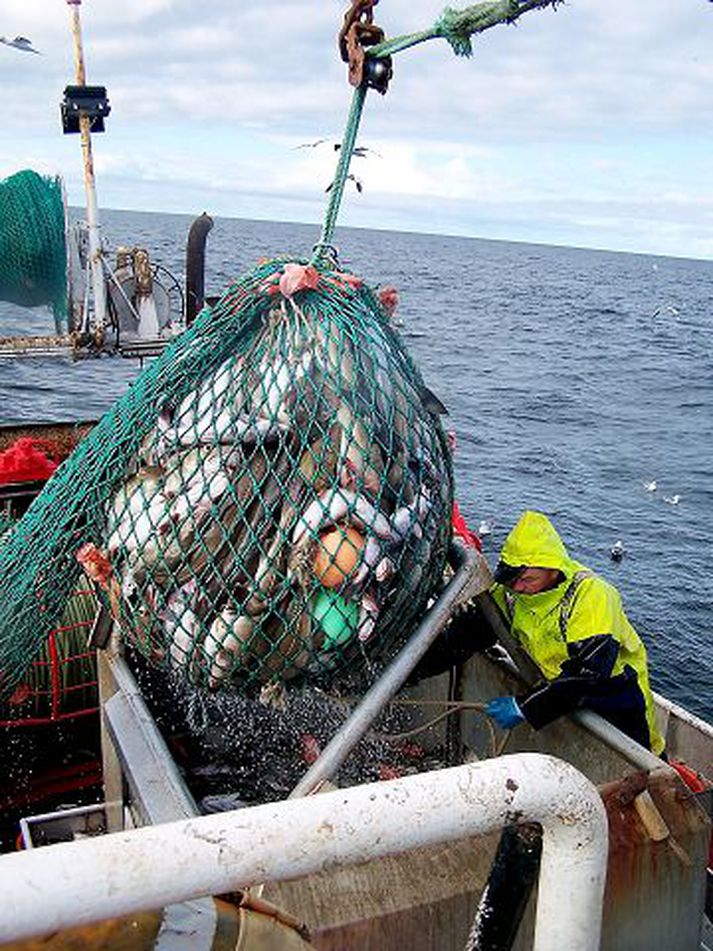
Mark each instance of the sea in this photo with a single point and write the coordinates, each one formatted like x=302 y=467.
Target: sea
x=577 y=382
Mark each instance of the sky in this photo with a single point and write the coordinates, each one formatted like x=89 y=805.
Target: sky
x=590 y=125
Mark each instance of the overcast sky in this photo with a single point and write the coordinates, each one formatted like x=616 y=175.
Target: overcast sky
x=591 y=125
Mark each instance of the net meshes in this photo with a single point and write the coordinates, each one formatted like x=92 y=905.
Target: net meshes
x=33 y=256
x=270 y=500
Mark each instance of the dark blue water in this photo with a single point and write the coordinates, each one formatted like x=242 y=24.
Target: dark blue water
x=572 y=377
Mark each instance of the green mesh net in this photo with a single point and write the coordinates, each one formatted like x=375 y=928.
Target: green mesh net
x=270 y=500
x=33 y=256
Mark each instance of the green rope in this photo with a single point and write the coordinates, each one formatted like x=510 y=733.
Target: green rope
x=457 y=26
x=454 y=26
x=341 y=173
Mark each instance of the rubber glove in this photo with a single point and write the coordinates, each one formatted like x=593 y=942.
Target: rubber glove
x=505 y=711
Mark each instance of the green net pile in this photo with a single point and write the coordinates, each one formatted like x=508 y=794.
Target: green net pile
x=33 y=256
x=270 y=500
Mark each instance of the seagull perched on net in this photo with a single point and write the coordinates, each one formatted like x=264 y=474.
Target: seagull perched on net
x=20 y=43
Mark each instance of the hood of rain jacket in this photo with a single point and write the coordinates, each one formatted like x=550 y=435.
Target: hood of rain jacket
x=534 y=542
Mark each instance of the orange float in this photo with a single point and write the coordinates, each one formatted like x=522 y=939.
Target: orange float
x=338 y=553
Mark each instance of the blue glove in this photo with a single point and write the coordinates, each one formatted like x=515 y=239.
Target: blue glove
x=505 y=711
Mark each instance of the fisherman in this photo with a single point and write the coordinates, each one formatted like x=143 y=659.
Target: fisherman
x=572 y=624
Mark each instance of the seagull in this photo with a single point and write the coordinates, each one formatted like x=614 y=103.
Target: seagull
x=650 y=486
x=20 y=43
x=617 y=550
x=310 y=145
x=668 y=309
x=485 y=528
x=359 y=150
x=672 y=499
x=359 y=186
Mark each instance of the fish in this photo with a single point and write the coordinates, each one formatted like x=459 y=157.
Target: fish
x=409 y=519
x=264 y=485
x=274 y=695
x=337 y=360
x=384 y=570
x=181 y=625
x=194 y=420
x=368 y=616
x=339 y=504
x=198 y=481
x=227 y=638
x=137 y=512
x=282 y=646
x=267 y=577
x=431 y=403
x=360 y=460
x=371 y=556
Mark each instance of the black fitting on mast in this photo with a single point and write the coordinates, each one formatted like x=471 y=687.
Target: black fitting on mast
x=89 y=101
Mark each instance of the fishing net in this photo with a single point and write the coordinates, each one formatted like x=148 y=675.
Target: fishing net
x=269 y=501
x=33 y=256
x=272 y=498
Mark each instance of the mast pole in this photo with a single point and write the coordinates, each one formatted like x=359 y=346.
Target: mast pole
x=95 y=250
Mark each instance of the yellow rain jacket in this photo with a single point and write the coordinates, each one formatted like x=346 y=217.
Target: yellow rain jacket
x=579 y=636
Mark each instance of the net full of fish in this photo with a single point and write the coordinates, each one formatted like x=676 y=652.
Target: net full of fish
x=276 y=502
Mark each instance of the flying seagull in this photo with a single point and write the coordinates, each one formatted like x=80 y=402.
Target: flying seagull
x=309 y=145
x=359 y=186
x=360 y=151
x=20 y=43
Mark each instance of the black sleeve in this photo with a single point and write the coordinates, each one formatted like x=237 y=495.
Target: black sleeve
x=467 y=633
x=589 y=664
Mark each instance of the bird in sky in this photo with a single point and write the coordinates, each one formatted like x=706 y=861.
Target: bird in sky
x=309 y=145
x=20 y=43
x=360 y=151
x=350 y=177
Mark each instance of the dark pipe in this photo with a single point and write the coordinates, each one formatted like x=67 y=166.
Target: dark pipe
x=195 y=266
x=509 y=886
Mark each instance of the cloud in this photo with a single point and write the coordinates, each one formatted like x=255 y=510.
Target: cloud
x=589 y=107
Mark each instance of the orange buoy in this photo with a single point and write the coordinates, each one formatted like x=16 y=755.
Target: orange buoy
x=338 y=552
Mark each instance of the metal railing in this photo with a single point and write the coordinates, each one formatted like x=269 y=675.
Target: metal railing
x=127 y=872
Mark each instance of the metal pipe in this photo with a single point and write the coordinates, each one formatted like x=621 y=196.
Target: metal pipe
x=126 y=872
x=95 y=250
x=346 y=738
x=613 y=737
x=195 y=266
